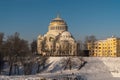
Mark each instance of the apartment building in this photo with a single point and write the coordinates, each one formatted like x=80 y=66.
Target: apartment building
x=105 y=48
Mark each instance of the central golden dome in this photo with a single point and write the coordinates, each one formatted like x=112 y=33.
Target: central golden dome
x=58 y=24
x=58 y=21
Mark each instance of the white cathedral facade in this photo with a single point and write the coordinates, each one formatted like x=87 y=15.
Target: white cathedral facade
x=58 y=41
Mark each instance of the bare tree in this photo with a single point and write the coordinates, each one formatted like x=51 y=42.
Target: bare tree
x=34 y=47
x=89 y=39
x=1 y=37
x=16 y=51
x=67 y=63
x=16 y=48
x=41 y=63
x=1 y=51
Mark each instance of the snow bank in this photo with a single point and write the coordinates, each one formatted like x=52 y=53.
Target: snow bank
x=113 y=64
x=97 y=68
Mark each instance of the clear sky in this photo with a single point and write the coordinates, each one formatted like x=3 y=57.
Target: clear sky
x=84 y=17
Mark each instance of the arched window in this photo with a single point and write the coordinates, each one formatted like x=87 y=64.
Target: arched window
x=53 y=28
x=56 y=28
x=59 y=27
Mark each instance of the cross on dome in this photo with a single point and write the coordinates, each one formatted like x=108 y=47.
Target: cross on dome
x=58 y=15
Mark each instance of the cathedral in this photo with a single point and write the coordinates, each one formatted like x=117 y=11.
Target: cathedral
x=58 y=41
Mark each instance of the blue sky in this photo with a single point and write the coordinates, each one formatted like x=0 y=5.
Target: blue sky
x=84 y=17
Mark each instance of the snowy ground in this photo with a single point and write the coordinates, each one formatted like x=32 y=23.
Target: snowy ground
x=97 y=68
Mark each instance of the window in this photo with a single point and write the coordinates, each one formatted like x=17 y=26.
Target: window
x=51 y=28
x=58 y=27
x=99 y=47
